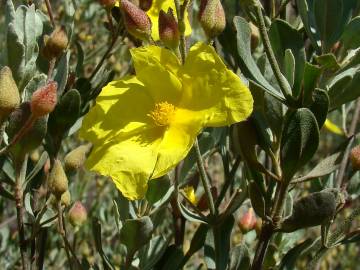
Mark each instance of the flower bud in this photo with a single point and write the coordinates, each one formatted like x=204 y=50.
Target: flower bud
x=9 y=93
x=168 y=29
x=107 y=3
x=77 y=214
x=247 y=221
x=43 y=100
x=58 y=181
x=66 y=198
x=145 y=5
x=137 y=22
x=312 y=210
x=355 y=158
x=76 y=158
x=212 y=17
x=55 y=44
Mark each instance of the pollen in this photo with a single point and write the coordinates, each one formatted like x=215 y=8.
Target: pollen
x=162 y=113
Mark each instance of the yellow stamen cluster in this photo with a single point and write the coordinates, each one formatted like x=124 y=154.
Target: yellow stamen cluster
x=162 y=113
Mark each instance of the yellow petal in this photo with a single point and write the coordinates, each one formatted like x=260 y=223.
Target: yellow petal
x=190 y=194
x=330 y=126
x=153 y=14
x=177 y=141
x=129 y=163
x=157 y=68
x=121 y=109
x=212 y=90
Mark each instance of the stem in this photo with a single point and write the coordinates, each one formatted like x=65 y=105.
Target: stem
x=20 y=177
x=111 y=46
x=23 y=130
x=68 y=248
x=270 y=54
x=282 y=6
x=340 y=179
x=204 y=178
x=262 y=245
x=51 y=16
x=51 y=69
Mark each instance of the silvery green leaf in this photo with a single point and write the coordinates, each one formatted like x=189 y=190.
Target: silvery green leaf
x=36 y=82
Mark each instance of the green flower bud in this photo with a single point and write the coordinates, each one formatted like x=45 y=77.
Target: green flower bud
x=77 y=214
x=212 y=17
x=9 y=93
x=168 y=29
x=55 y=44
x=312 y=210
x=75 y=159
x=66 y=198
x=137 y=22
x=34 y=135
x=58 y=181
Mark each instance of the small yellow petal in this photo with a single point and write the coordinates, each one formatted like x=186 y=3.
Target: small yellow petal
x=190 y=194
x=153 y=14
x=330 y=126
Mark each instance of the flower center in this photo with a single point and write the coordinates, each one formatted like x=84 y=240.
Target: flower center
x=162 y=113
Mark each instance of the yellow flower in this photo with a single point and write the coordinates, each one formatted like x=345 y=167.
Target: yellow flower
x=142 y=126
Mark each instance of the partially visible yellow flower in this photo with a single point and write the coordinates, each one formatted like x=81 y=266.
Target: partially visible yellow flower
x=154 y=11
x=153 y=14
x=190 y=194
x=330 y=126
x=142 y=126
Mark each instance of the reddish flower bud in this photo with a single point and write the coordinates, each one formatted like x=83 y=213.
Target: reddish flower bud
x=168 y=29
x=77 y=214
x=247 y=221
x=145 y=5
x=107 y=3
x=355 y=158
x=55 y=44
x=212 y=17
x=44 y=99
x=137 y=22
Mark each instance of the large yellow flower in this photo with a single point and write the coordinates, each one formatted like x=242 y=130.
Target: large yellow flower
x=153 y=14
x=142 y=126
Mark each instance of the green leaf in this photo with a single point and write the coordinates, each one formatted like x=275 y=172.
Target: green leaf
x=152 y=252
x=283 y=37
x=135 y=233
x=39 y=165
x=15 y=53
x=256 y=198
x=289 y=260
x=324 y=167
x=300 y=141
x=62 y=73
x=351 y=34
x=306 y=12
x=320 y=106
x=66 y=112
x=243 y=45
x=172 y=259
x=328 y=61
x=289 y=67
x=35 y=83
x=311 y=76
x=331 y=18
x=344 y=88
x=217 y=246
x=239 y=258
x=157 y=188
